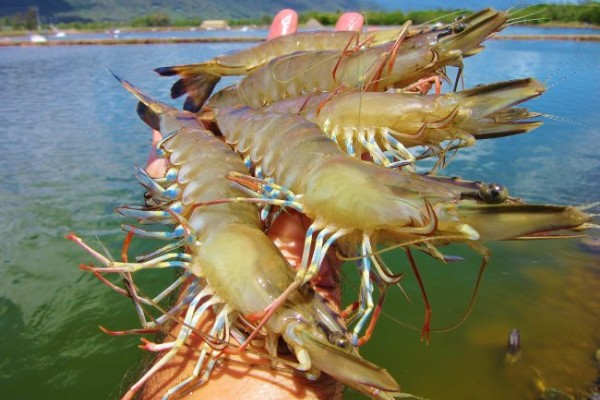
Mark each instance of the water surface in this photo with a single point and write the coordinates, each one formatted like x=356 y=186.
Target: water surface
x=71 y=136
x=193 y=33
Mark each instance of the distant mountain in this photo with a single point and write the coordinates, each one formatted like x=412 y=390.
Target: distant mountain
x=94 y=10
x=409 y=5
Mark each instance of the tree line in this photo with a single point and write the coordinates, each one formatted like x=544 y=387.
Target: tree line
x=586 y=12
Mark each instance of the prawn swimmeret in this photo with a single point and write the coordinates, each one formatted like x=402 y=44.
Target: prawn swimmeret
x=238 y=283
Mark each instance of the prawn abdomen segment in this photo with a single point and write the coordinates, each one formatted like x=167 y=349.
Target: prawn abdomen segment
x=233 y=246
x=194 y=151
x=347 y=193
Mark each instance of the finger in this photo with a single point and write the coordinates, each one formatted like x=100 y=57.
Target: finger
x=284 y=23
x=156 y=167
x=288 y=233
x=350 y=21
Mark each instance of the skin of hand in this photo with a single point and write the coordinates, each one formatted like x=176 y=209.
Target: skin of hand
x=247 y=376
x=284 y=23
x=156 y=167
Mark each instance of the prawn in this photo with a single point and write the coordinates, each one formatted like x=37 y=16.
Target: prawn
x=198 y=80
x=386 y=124
x=353 y=203
x=237 y=283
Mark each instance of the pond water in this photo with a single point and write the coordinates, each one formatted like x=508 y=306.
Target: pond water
x=71 y=136
x=193 y=33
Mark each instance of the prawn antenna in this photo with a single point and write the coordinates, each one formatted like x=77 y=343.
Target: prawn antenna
x=441 y=17
x=588 y=206
x=564 y=120
x=462 y=318
x=519 y=19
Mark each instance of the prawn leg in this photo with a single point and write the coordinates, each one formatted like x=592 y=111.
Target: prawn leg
x=182 y=260
x=193 y=313
x=201 y=373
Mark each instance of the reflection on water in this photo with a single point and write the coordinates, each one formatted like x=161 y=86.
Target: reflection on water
x=70 y=138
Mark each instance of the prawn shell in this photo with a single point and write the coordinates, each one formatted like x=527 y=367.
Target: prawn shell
x=510 y=221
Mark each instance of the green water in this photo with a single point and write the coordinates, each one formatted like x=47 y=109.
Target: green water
x=70 y=137
x=549 y=291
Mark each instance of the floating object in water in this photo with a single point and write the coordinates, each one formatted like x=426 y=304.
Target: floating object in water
x=513 y=351
x=514 y=341
x=590 y=243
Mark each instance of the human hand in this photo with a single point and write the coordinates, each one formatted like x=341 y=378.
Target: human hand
x=239 y=377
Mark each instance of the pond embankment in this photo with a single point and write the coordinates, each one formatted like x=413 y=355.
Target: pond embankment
x=132 y=41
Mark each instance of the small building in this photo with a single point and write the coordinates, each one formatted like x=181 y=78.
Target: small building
x=214 y=25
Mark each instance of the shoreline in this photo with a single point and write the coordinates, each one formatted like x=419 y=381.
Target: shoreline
x=579 y=38
x=115 y=42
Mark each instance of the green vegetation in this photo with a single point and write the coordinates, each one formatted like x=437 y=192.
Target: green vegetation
x=154 y=19
x=388 y=18
x=587 y=12
x=265 y=20
x=27 y=20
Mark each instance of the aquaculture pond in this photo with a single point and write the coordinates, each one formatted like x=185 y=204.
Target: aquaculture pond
x=70 y=138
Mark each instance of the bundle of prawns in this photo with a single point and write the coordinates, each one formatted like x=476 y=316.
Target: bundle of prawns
x=233 y=283
x=355 y=205
x=342 y=94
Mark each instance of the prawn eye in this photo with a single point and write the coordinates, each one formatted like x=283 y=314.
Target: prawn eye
x=493 y=193
x=459 y=18
x=459 y=28
x=338 y=339
x=444 y=32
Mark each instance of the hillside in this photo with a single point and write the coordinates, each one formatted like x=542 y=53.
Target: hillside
x=96 y=10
